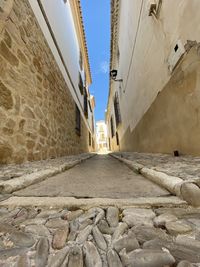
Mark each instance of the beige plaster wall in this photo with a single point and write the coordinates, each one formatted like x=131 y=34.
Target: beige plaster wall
x=37 y=111
x=145 y=45
x=173 y=120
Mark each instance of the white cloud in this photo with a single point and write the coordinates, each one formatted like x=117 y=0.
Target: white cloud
x=104 y=66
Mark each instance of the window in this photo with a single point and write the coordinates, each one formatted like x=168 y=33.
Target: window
x=85 y=104
x=102 y=137
x=92 y=142
x=92 y=123
x=117 y=138
x=80 y=84
x=80 y=60
x=85 y=82
x=117 y=109
x=78 y=121
x=90 y=106
x=90 y=139
x=112 y=127
x=101 y=128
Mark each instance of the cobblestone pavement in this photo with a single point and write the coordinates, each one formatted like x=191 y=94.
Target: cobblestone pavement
x=101 y=176
x=11 y=171
x=100 y=237
x=185 y=167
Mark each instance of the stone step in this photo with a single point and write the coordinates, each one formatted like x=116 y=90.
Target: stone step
x=86 y=203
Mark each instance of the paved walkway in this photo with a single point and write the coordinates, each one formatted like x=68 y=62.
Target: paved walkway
x=149 y=228
x=184 y=167
x=99 y=237
x=11 y=171
x=101 y=176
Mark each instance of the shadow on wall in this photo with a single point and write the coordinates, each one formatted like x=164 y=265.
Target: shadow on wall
x=173 y=120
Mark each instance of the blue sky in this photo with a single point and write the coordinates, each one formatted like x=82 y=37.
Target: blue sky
x=96 y=16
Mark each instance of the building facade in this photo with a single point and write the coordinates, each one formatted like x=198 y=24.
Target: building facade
x=101 y=136
x=154 y=97
x=46 y=109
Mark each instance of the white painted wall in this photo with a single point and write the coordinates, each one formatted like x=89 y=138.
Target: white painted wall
x=61 y=21
x=145 y=44
x=60 y=18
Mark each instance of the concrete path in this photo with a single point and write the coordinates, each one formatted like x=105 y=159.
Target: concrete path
x=99 y=177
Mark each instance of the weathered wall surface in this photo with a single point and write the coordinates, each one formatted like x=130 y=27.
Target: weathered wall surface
x=173 y=120
x=142 y=55
x=37 y=111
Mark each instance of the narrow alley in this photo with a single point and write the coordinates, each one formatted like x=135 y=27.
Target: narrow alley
x=99 y=133
x=99 y=177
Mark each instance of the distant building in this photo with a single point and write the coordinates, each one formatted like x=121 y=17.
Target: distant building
x=101 y=136
x=154 y=96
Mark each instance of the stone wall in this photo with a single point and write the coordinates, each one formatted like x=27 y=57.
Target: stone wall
x=37 y=111
x=173 y=120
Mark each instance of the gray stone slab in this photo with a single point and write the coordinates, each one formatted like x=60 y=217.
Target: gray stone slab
x=101 y=176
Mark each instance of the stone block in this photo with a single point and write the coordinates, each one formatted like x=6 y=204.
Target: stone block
x=37 y=64
x=6 y=152
x=10 y=123
x=17 y=104
x=147 y=257
x=20 y=156
x=7 y=131
x=178 y=227
x=162 y=219
x=6 y=100
x=21 y=124
x=43 y=131
x=19 y=139
x=59 y=238
x=28 y=113
x=112 y=216
x=3 y=118
x=185 y=264
x=7 y=39
x=21 y=57
x=30 y=144
x=23 y=34
x=191 y=193
x=8 y=55
x=5 y=9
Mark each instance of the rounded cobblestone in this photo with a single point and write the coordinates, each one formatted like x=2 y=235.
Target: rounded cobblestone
x=77 y=243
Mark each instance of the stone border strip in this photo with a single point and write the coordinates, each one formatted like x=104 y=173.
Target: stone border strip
x=187 y=190
x=7 y=187
x=83 y=203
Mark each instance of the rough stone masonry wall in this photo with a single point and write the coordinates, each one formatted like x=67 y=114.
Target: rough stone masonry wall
x=37 y=111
